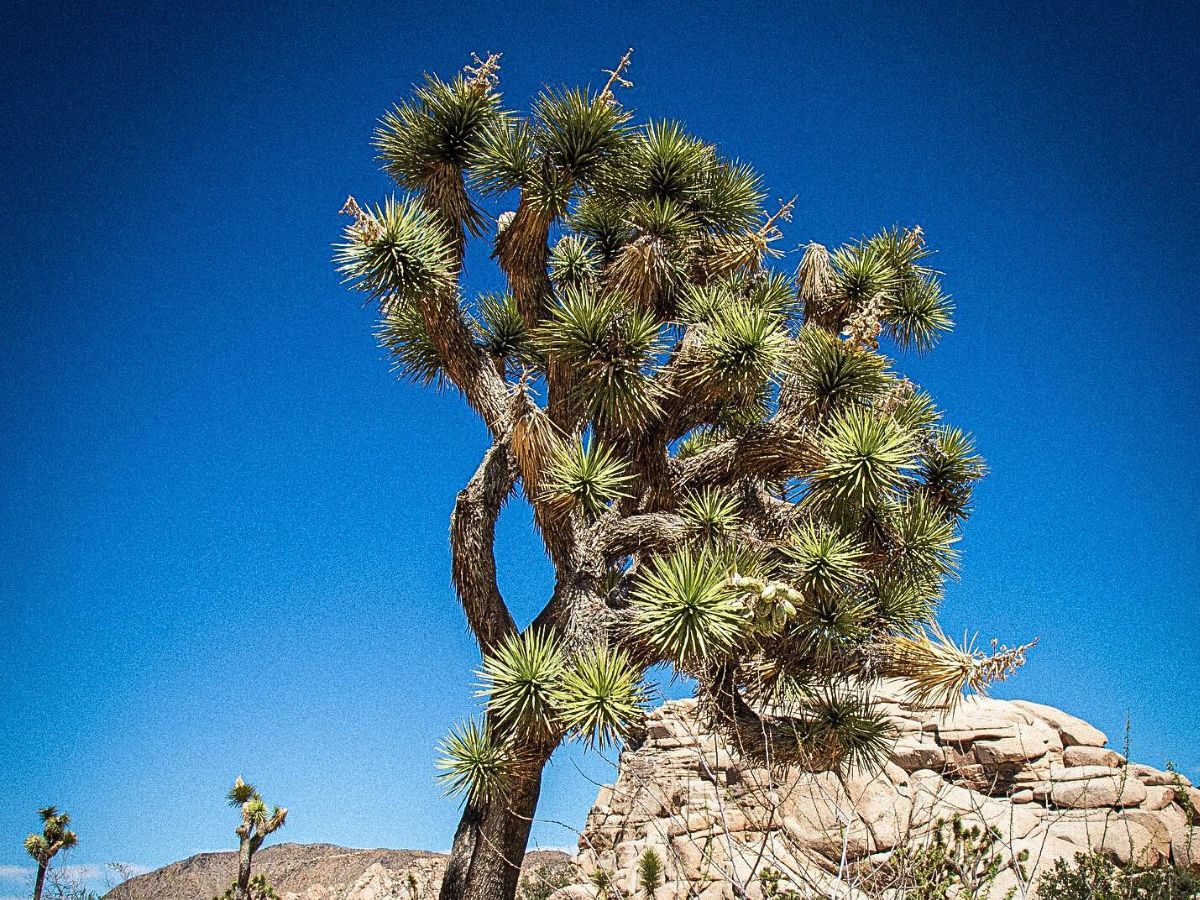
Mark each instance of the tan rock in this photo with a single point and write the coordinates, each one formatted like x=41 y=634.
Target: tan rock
x=1035 y=774
x=1022 y=746
x=1185 y=846
x=1082 y=773
x=979 y=719
x=1074 y=731
x=1093 y=793
x=1160 y=834
x=1081 y=755
x=818 y=815
x=1044 y=851
x=1158 y=797
x=886 y=814
x=1150 y=776
x=917 y=751
x=1128 y=842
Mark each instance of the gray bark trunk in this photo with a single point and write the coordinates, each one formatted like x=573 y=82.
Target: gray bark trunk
x=243 y=879
x=40 y=882
x=489 y=845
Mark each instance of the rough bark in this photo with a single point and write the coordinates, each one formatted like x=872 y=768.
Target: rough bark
x=769 y=450
x=489 y=845
x=242 y=892
x=40 y=882
x=472 y=539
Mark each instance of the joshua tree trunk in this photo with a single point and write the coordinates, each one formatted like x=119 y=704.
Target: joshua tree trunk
x=39 y=882
x=243 y=878
x=485 y=859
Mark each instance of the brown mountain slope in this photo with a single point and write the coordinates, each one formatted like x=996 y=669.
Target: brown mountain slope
x=308 y=872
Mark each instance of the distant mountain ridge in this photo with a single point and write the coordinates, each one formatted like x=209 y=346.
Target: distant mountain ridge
x=308 y=872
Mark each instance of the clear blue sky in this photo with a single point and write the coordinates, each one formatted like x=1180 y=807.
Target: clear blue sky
x=223 y=523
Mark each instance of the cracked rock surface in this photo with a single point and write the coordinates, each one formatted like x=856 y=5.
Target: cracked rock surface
x=1045 y=780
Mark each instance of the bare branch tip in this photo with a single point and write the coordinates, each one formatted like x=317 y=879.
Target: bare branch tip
x=483 y=74
x=616 y=77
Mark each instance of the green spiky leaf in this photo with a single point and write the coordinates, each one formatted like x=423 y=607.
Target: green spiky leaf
x=475 y=764
x=822 y=558
x=864 y=273
x=609 y=348
x=427 y=143
x=578 y=131
x=919 y=314
x=521 y=680
x=740 y=352
x=710 y=514
x=829 y=373
x=504 y=329
x=842 y=729
x=601 y=696
x=405 y=336
x=949 y=469
x=574 y=261
x=924 y=539
x=398 y=253
x=586 y=477
x=867 y=457
x=684 y=608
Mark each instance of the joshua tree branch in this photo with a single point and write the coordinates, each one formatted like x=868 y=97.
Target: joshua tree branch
x=773 y=449
x=465 y=363
x=648 y=532
x=472 y=538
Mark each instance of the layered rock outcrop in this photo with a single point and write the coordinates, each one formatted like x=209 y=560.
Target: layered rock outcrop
x=1045 y=780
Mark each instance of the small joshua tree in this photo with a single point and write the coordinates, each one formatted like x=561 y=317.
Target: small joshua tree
x=650 y=873
x=726 y=472
x=255 y=826
x=42 y=847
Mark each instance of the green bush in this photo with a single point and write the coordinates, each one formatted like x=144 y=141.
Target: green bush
x=260 y=889
x=1095 y=877
x=961 y=861
x=543 y=880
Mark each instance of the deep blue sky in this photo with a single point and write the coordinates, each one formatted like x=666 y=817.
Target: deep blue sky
x=223 y=523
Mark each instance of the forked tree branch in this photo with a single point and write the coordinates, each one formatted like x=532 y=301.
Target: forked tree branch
x=466 y=363
x=472 y=546
x=640 y=534
x=775 y=449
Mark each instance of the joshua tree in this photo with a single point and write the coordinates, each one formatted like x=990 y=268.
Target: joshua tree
x=650 y=872
x=42 y=847
x=255 y=826
x=725 y=470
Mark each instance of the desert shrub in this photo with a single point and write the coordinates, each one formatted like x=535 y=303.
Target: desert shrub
x=962 y=861
x=260 y=889
x=543 y=880
x=1095 y=877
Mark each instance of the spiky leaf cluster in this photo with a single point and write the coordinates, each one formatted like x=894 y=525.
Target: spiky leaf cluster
x=398 y=253
x=258 y=820
x=535 y=693
x=426 y=141
x=601 y=696
x=474 y=763
x=55 y=835
x=608 y=347
x=685 y=608
x=585 y=477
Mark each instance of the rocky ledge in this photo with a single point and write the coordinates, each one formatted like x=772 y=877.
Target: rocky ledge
x=1045 y=780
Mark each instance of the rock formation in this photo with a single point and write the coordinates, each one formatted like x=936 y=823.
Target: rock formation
x=1045 y=780
x=309 y=872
